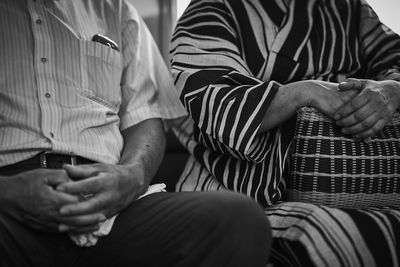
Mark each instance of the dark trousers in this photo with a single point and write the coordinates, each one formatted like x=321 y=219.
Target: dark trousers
x=163 y=229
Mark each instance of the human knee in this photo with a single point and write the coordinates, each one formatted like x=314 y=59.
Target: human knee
x=237 y=222
x=232 y=206
x=234 y=213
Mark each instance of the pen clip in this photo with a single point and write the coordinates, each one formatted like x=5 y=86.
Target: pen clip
x=105 y=40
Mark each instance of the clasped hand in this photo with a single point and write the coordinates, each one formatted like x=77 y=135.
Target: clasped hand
x=57 y=200
x=104 y=190
x=370 y=110
x=360 y=107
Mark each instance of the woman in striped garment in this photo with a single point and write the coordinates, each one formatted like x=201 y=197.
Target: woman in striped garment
x=243 y=68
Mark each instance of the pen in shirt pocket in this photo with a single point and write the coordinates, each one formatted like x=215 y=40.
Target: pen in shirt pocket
x=105 y=41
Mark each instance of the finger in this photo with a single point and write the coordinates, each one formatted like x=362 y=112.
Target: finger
x=42 y=225
x=79 y=230
x=347 y=96
x=77 y=172
x=362 y=125
x=62 y=198
x=83 y=187
x=92 y=205
x=56 y=177
x=356 y=117
x=372 y=131
x=352 y=106
x=352 y=83
x=83 y=220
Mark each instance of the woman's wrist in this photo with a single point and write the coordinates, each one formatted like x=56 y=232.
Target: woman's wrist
x=300 y=94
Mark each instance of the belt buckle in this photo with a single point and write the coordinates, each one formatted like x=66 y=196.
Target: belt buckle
x=43 y=158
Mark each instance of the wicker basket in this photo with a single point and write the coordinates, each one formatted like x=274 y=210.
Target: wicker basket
x=332 y=169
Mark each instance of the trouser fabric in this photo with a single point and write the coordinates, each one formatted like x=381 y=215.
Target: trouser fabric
x=163 y=229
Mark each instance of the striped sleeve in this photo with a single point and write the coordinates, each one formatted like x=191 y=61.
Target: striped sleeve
x=380 y=46
x=225 y=100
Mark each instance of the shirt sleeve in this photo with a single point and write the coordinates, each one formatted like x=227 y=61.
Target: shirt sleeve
x=379 y=45
x=146 y=83
x=225 y=100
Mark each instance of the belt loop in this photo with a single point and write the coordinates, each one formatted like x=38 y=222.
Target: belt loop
x=73 y=158
x=43 y=160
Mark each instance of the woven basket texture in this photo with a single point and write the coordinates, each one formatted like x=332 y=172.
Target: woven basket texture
x=332 y=169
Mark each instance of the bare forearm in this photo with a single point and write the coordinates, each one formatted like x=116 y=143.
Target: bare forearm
x=284 y=105
x=324 y=96
x=144 y=146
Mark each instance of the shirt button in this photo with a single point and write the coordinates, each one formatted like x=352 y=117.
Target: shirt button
x=43 y=59
x=38 y=21
x=48 y=95
x=52 y=135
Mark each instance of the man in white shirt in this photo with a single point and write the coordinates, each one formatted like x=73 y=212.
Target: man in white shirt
x=83 y=96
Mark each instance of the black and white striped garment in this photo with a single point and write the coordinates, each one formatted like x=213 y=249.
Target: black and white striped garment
x=229 y=58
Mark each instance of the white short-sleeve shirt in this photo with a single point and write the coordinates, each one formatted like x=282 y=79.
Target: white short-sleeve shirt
x=61 y=91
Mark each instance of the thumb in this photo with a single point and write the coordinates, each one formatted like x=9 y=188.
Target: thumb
x=59 y=177
x=77 y=172
x=352 y=83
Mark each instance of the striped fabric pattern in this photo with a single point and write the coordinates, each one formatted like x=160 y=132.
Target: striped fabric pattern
x=60 y=91
x=229 y=58
x=312 y=235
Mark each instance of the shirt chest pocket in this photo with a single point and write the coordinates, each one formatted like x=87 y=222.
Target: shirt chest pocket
x=101 y=69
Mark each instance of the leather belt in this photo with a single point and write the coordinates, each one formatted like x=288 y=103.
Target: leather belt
x=51 y=160
x=48 y=160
